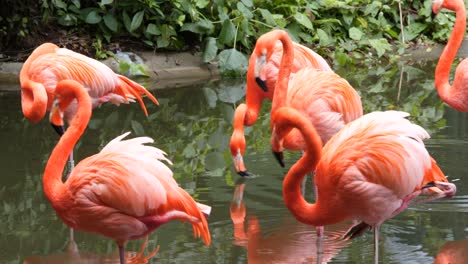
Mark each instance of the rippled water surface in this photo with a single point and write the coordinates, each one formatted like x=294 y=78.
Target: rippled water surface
x=249 y=222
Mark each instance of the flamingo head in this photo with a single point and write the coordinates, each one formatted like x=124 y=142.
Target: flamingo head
x=263 y=50
x=277 y=147
x=453 y=5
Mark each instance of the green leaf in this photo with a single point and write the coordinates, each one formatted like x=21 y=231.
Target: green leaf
x=380 y=45
x=355 y=33
x=138 y=128
x=232 y=62
x=248 y=3
x=325 y=40
x=267 y=16
x=226 y=36
x=67 y=20
x=189 y=151
x=136 y=20
x=93 y=17
x=244 y=10
x=127 y=21
x=111 y=22
x=76 y=3
x=413 y=30
x=303 y=20
x=153 y=29
x=202 y=3
x=211 y=49
x=106 y=2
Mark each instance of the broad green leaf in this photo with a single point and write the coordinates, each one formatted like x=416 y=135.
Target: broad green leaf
x=111 y=22
x=60 y=4
x=210 y=96
x=226 y=36
x=138 y=128
x=127 y=21
x=76 y=3
x=211 y=49
x=248 y=3
x=231 y=93
x=136 y=20
x=325 y=40
x=303 y=20
x=380 y=45
x=189 y=151
x=153 y=29
x=93 y=17
x=106 y=2
x=413 y=30
x=355 y=33
x=373 y=8
x=267 y=16
x=202 y=3
x=67 y=20
x=244 y=10
x=232 y=62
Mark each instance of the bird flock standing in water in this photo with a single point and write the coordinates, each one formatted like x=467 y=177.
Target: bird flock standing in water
x=365 y=167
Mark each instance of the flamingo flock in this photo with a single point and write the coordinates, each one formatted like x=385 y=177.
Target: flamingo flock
x=366 y=167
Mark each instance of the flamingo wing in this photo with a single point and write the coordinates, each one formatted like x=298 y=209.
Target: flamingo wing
x=374 y=161
x=328 y=100
x=128 y=183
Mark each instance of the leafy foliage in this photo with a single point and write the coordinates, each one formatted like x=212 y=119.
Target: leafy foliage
x=347 y=31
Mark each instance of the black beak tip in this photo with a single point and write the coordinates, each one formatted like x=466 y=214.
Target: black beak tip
x=429 y=185
x=279 y=157
x=59 y=129
x=261 y=83
x=245 y=174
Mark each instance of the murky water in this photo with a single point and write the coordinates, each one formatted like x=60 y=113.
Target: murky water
x=249 y=222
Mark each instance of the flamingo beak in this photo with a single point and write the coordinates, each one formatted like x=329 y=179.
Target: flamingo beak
x=261 y=83
x=239 y=165
x=279 y=157
x=56 y=118
x=259 y=64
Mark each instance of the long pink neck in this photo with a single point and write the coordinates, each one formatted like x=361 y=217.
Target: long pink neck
x=313 y=214
x=54 y=188
x=287 y=60
x=444 y=65
x=254 y=95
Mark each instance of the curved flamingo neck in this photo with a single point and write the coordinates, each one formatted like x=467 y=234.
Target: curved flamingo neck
x=33 y=94
x=447 y=56
x=54 y=188
x=287 y=60
x=33 y=100
x=254 y=95
x=285 y=119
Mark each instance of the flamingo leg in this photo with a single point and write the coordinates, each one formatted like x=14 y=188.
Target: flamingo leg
x=376 y=244
x=121 y=254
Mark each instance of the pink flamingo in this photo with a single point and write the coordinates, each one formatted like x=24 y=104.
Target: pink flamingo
x=124 y=192
x=369 y=171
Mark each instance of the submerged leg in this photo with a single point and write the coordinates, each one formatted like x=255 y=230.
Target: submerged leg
x=376 y=244
x=121 y=254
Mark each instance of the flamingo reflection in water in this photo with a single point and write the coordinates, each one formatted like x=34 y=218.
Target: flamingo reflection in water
x=454 y=252
x=292 y=242
x=72 y=255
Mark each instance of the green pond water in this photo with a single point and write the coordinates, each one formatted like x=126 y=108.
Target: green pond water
x=193 y=125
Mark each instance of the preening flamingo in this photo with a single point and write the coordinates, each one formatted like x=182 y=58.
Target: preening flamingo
x=48 y=65
x=368 y=171
x=264 y=65
x=455 y=95
x=124 y=192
